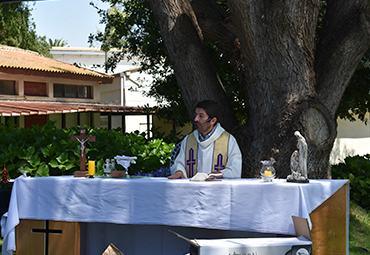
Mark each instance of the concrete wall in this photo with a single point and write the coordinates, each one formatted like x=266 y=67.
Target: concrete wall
x=72 y=119
x=57 y=118
x=166 y=127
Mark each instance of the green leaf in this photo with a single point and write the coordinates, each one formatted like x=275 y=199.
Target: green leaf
x=34 y=161
x=62 y=158
x=43 y=170
x=53 y=163
x=45 y=151
x=25 y=170
x=30 y=151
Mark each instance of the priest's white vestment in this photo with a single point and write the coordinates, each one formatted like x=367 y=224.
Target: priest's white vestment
x=233 y=166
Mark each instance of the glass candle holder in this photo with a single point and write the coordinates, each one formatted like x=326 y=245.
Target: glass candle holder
x=268 y=171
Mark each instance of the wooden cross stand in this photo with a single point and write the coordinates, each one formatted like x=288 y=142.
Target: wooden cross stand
x=82 y=138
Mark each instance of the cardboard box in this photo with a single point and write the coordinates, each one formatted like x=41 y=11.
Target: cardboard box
x=300 y=245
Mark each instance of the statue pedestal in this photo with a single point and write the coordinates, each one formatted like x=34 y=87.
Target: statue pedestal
x=298 y=181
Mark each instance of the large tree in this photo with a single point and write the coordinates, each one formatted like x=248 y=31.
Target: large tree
x=19 y=30
x=292 y=75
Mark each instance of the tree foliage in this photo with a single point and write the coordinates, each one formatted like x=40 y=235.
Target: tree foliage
x=18 y=30
x=57 y=42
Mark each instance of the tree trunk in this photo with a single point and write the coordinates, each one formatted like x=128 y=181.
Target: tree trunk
x=290 y=85
x=188 y=55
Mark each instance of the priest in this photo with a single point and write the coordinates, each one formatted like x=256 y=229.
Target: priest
x=209 y=149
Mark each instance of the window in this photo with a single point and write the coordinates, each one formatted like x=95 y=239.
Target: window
x=72 y=91
x=84 y=92
x=7 y=87
x=58 y=90
x=34 y=88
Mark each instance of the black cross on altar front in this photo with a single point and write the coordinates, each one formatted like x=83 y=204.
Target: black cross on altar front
x=46 y=232
x=83 y=139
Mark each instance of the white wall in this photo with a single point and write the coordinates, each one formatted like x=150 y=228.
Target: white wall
x=353 y=138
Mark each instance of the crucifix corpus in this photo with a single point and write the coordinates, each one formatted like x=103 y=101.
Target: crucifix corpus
x=82 y=139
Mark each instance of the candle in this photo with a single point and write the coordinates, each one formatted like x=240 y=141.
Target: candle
x=268 y=173
x=91 y=167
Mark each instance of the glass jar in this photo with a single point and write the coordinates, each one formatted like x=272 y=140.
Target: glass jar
x=268 y=171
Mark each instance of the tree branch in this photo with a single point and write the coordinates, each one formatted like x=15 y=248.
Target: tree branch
x=344 y=39
x=194 y=70
x=217 y=27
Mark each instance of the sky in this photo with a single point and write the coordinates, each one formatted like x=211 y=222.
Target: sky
x=70 y=20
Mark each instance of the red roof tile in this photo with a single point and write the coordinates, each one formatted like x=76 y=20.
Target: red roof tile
x=17 y=108
x=15 y=58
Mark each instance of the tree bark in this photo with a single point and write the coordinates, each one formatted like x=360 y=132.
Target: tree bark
x=187 y=53
x=289 y=83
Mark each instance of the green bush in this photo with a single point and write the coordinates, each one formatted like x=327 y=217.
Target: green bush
x=357 y=170
x=48 y=151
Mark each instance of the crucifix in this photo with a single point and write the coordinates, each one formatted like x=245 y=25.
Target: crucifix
x=82 y=139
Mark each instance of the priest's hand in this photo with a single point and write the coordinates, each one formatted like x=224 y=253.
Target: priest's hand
x=212 y=176
x=176 y=175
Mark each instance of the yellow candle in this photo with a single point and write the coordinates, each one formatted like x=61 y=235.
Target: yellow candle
x=91 y=167
x=268 y=173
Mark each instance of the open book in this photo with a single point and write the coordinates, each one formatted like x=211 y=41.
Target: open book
x=206 y=177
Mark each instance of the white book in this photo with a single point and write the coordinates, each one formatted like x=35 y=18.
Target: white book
x=206 y=177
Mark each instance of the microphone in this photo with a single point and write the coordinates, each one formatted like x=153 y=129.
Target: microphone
x=195 y=125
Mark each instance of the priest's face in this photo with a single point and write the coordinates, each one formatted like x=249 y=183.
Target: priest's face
x=203 y=123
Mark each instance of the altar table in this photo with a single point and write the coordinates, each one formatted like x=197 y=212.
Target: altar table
x=129 y=207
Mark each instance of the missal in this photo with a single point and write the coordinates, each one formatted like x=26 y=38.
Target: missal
x=206 y=177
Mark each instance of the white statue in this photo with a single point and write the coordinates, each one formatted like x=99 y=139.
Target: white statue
x=302 y=147
x=298 y=160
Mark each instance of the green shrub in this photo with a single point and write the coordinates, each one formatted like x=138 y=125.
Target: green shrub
x=47 y=150
x=357 y=170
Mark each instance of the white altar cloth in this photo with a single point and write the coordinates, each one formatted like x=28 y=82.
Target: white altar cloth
x=240 y=204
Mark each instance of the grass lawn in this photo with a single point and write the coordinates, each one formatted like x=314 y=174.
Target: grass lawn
x=359 y=231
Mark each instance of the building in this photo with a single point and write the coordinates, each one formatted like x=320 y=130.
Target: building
x=35 y=90
x=125 y=90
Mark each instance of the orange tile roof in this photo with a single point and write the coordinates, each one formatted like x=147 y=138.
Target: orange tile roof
x=17 y=108
x=15 y=58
